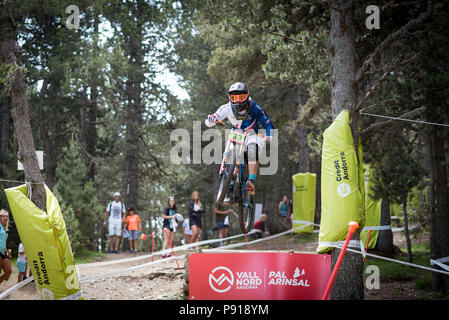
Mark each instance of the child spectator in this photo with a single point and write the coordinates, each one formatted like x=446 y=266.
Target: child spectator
x=133 y=223
x=260 y=225
x=21 y=264
x=283 y=209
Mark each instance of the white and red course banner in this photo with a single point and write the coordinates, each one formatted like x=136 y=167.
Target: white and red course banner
x=258 y=276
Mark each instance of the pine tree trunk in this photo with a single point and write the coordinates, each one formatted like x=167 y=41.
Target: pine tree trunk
x=92 y=113
x=406 y=231
x=4 y=130
x=134 y=113
x=438 y=211
x=10 y=57
x=91 y=130
x=446 y=153
x=385 y=239
x=349 y=281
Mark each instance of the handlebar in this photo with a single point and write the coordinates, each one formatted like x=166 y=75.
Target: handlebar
x=230 y=125
x=227 y=124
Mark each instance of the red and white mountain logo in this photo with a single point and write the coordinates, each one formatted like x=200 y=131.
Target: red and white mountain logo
x=221 y=279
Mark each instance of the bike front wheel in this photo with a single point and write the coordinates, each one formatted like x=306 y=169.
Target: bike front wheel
x=226 y=179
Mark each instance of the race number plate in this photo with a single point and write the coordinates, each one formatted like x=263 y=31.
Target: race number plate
x=237 y=137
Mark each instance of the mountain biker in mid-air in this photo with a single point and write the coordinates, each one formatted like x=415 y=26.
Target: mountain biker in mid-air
x=245 y=113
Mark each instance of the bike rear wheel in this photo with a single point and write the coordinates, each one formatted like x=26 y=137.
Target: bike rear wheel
x=246 y=214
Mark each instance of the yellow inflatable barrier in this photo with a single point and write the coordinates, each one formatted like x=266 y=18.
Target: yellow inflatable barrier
x=342 y=189
x=46 y=243
x=372 y=212
x=304 y=193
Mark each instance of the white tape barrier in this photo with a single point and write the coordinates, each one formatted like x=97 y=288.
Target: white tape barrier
x=178 y=248
x=15 y=287
x=306 y=222
x=440 y=262
x=75 y=296
x=380 y=228
x=117 y=272
x=352 y=243
x=113 y=273
x=400 y=229
x=397 y=261
x=235 y=245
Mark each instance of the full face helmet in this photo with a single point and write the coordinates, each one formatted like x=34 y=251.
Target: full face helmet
x=239 y=99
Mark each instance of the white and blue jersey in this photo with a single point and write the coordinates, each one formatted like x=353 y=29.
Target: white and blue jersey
x=256 y=115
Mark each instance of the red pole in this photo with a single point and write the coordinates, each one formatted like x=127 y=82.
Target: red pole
x=353 y=226
x=152 y=246
x=169 y=242
x=246 y=236
x=367 y=243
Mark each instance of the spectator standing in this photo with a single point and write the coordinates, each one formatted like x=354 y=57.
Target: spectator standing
x=116 y=212
x=186 y=231
x=283 y=209
x=290 y=212
x=5 y=256
x=168 y=215
x=221 y=213
x=21 y=264
x=133 y=224
x=195 y=211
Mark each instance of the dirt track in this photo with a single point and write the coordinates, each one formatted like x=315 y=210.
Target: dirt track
x=160 y=281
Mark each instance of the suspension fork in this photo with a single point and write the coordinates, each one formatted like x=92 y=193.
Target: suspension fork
x=227 y=148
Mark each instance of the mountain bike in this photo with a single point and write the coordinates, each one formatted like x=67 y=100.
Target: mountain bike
x=234 y=173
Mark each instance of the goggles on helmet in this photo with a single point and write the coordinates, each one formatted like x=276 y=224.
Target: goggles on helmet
x=238 y=98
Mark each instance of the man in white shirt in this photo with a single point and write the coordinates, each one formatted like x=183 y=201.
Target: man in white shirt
x=116 y=212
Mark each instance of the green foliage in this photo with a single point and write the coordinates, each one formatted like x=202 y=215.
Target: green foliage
x=418 y=204
x=72 y=227
x=396 y=170
x=78 y=196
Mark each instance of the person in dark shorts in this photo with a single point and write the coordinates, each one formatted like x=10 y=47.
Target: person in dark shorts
x=221 y=212
x=195 y=211
x=168 y=215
